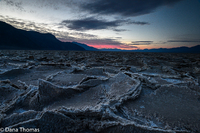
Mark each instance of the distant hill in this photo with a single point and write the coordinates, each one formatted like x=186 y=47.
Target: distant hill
x=86 y=47
x=114 y=50
x=17 y=39
x=194 y=49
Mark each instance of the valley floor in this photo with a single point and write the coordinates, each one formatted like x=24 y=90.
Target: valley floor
x=72 y=91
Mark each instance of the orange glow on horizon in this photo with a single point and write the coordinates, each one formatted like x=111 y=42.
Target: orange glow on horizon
x=104 y=46
x=125 y=47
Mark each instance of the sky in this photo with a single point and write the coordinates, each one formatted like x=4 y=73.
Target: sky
x=114 y=24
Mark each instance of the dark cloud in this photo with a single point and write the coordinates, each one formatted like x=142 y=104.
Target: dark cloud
x=128 y=47
x=160 y=42
x=118 y=37
x=119 y=30
x=92 y=23
x=142 y=42
x=138 y=23
x=183 y=41
x=126 y=7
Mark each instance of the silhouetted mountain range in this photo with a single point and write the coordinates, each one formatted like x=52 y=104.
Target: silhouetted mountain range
x=86 y=47
x=17 y=39
x=194 y=49
x=114 y=50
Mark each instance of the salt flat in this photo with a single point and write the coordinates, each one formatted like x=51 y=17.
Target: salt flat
x=71 y=91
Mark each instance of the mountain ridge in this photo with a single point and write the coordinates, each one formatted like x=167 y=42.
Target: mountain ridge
x=86 y=47
x=17 y=39
x=183 y=49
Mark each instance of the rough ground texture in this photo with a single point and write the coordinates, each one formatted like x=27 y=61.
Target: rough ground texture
x=90 y=92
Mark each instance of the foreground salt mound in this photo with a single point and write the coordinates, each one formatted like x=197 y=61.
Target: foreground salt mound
x=101 y=91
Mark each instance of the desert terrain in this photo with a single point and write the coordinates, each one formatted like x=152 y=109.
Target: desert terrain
x=89 y=92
